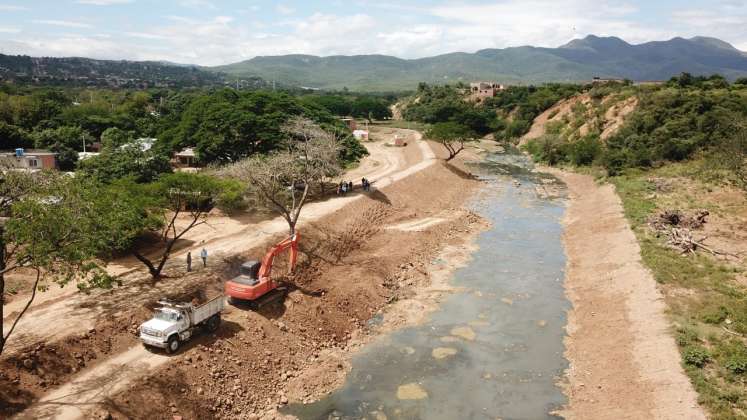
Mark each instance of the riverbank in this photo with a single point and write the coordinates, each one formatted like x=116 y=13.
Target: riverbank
x=624 y=362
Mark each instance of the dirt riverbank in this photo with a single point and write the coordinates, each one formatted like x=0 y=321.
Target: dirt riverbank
x=624 y=362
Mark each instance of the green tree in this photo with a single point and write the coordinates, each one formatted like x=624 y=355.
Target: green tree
x=12 y=137
x=172 y=196
x=50 y=226
x=129 y=161
x=452 y=136
x=66 y=142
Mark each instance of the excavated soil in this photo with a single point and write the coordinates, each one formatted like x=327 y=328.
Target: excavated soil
x=351 y=267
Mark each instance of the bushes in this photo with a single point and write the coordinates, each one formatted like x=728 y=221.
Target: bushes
x=695 y=356
x=552 y=149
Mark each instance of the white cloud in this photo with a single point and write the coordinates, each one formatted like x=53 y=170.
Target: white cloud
x=65 y=23
x=9 y=30
x=12 y=8
x=400 y=29
x=284 y=9
x=198 y=4
x=104 y=2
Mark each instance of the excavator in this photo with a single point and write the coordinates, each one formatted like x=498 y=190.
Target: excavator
x=254 y=284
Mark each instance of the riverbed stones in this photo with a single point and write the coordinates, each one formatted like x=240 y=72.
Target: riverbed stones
x=479 y=323
x=541 y=323
x=449 y=339
x=411 y=391
x=443 y=352
x=407 y=350
x=507 y=301
x=465 y=333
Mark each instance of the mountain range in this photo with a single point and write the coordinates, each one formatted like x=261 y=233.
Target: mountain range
x=579 y=60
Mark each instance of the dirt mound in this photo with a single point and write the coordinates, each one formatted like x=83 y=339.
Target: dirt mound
x=557 y=112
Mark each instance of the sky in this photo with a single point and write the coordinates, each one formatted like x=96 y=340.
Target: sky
x=214 y=32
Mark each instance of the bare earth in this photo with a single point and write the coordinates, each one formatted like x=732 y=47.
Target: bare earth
x=624 y=363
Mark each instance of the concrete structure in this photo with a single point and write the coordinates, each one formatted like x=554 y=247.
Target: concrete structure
x=185 y=158
x=32 y=160
x=87 y=155
x=482 y=90
x=361 y=135
x=607 y=80
x=350 y=122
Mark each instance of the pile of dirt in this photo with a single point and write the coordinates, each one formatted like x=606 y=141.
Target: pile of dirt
x=350 y=268
x=669 y=218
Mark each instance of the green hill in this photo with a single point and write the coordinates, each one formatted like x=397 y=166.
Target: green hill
x=578 y=60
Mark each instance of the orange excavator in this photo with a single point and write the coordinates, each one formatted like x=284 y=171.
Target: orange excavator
x=254 y=284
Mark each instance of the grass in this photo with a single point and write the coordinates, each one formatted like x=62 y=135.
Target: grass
x=707 y=305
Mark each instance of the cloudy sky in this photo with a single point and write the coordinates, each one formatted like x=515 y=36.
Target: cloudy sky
x=212 y=32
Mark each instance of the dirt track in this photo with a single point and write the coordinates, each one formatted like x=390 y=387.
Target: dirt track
x=624 y=363
x=95 y=384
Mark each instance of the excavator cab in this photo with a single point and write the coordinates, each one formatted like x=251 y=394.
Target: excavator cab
x=250 y=269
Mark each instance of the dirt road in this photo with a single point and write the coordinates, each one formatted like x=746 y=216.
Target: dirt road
x=624 y=363
x=221 y=236
x=386 y=166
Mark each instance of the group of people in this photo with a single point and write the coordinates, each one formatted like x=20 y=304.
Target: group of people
x=366 y=184
x=203 y=255
x=345 y=187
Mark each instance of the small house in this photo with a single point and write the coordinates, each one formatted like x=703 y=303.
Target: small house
x=32 y=160
x=186 y=158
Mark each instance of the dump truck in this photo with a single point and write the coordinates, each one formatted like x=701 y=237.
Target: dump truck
x=174 y=323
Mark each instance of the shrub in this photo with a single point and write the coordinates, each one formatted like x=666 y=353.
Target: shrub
x=585 y=151
x=695 y=356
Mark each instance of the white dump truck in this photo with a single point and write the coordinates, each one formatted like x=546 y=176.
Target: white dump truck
x=174 y=323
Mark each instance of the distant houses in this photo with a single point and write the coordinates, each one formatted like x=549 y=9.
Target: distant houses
x=483 y=90
x=30 y=160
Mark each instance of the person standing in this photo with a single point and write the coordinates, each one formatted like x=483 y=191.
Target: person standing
x=350 y=186
x=189 y=261
x=204 y=256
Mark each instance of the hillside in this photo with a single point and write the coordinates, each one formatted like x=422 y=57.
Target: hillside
x=578 y=60
x=102 y=73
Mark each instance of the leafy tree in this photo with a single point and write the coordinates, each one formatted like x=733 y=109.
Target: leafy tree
x=126 y=162
x=113 y=138
x=452 y=136
x=66 y=142
x=172 y=196
x=50 y=226
x=282 y=181
x=12 y=137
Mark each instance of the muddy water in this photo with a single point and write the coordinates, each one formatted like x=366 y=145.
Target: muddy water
x=491 y=351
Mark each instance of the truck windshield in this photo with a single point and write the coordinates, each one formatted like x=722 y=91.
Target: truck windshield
x=165 y=316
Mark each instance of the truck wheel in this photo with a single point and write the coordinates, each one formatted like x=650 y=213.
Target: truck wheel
x=213 y=323
x=173 y=344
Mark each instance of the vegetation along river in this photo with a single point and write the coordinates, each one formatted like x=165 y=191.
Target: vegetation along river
x=492 y=350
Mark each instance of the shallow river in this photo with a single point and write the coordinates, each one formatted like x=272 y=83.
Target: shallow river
x=492 y=351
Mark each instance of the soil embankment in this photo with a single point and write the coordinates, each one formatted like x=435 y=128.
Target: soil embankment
x=624 y=362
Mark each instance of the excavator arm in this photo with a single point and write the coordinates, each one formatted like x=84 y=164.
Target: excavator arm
x=290 y=244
